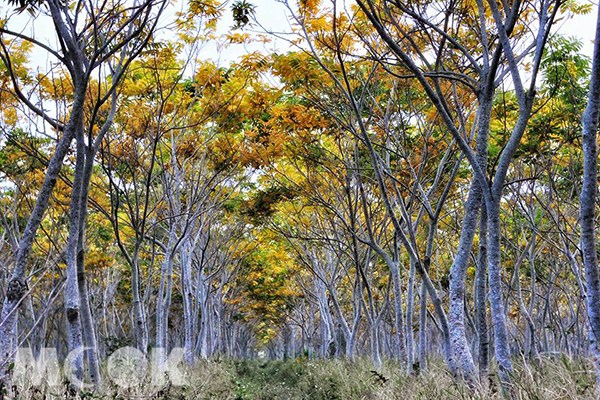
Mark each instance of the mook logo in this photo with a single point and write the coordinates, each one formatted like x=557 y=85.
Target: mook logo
x=127 y=368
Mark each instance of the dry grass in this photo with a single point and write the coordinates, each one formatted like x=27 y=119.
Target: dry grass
x=557 y=378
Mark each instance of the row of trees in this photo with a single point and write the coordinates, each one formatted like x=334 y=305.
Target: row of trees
x=402 y=184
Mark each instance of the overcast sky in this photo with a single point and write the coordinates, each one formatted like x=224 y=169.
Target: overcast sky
x=582 y=27
x=272 y=16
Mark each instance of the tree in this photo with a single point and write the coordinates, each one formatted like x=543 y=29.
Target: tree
x=588 y=196
x=86 y=50
x=487 y=75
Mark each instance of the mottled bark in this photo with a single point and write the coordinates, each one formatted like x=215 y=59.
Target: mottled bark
x=589 y=192
x=187 y=294
x=71 y=293
x=410 y=301
x=501 y=347
x=481 y=300
x=456 y=316
x=17 y=285
x=423 y=326
x=348 y=332
x=398 y=311
x=375 y=353
x=88 y=329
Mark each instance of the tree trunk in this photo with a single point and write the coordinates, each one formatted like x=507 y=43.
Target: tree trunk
x=399 y=313
x=480 y=299
x=501 y=347
x=588 y=197
x=186 y=289
x=456 y=317
x=71 y=294
x=410 y=300
x=17 y=285
x=375 y=353
x=423 y=328
x=89 y=333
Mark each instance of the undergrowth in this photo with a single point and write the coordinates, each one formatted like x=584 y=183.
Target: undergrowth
x=301 y=379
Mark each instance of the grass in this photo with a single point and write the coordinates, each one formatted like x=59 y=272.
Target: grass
x=557 y=378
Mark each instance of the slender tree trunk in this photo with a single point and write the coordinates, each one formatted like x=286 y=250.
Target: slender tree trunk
x=71 y=294
x=532 y=301
x=480 y=299
x=202 y=341
x=322 y=303
x=163 y=294
x=349 y=333
x=375 y=353
x=399 y=313
x=456 y=317
x=139 y=310
x=530 y=342
x=588 y=197
x=311 y=329
x=17 y=285
x=410 y=300
x=186 y=288
x=502 y=350
x=89 y=333
x=423 y=328
x=167 y=305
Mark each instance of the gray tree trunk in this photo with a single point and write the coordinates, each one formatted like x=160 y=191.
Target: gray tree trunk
x=399 y=312
x=423 y=328
x=589 y=192
x=17 y=285
x=88 y=330
x=480 y=299
x=71 y=293
x=456 y=316
x=502 y=350
x=186 y=282
x=410 y=301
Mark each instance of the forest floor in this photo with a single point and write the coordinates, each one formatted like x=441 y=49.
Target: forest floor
x=557 y=378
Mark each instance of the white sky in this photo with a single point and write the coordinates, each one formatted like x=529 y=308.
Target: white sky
x=272 y=16
x=582 y=27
